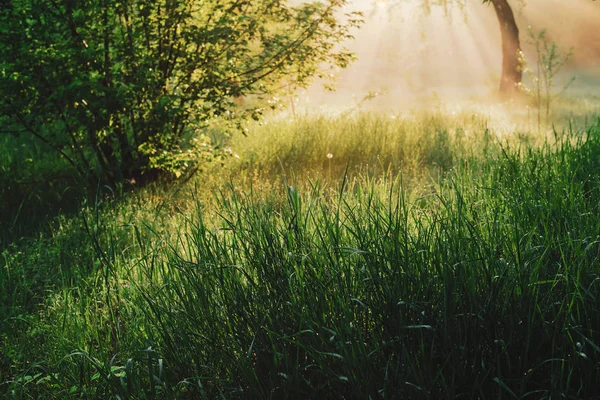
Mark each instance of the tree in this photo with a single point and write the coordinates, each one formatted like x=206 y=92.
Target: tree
x=512 y=69
x=512 y=72
x=122 y=88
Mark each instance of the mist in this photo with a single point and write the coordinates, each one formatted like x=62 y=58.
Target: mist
x=409 y=57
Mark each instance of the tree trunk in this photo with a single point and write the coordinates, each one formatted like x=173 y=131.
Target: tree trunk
x=512 y=73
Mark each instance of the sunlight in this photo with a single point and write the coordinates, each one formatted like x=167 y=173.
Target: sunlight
x=451 y=54
x=413 y=55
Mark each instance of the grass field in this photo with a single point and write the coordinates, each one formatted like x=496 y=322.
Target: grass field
x=424 y=255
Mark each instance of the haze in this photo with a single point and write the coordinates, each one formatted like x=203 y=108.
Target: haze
x=409 y=57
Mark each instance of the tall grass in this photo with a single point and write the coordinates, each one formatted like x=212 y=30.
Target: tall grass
x=485 y=288
x=371 y=143
x=482 y=283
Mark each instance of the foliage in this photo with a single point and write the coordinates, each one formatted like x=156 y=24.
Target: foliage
x=123 y=87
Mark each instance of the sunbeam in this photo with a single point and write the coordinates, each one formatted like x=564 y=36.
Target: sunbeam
x=414 y=55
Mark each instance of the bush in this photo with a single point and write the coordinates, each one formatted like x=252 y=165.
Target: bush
x=120 y=88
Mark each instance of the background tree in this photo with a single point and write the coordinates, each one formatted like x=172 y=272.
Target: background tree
x=122 y=88
x=512 y=73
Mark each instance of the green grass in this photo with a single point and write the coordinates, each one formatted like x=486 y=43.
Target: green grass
x=428 y=258
x=371 y=143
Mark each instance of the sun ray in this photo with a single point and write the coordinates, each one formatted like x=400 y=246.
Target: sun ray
x=450 y=52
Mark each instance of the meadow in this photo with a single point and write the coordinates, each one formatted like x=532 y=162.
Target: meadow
x=418 y=255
